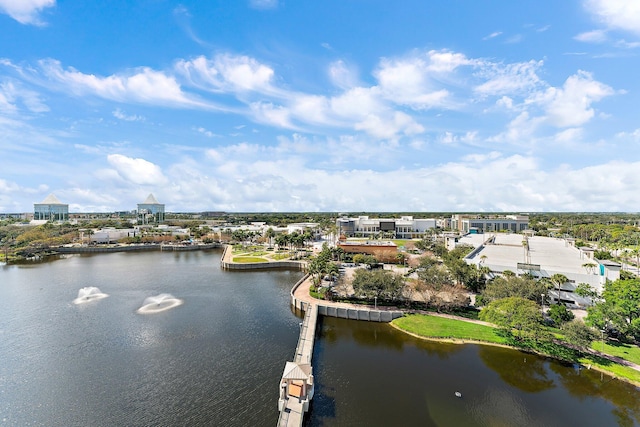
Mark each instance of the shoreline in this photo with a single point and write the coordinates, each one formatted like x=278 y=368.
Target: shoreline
x=460 y=341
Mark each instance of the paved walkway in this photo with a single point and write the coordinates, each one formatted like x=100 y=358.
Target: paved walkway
x=302 y=293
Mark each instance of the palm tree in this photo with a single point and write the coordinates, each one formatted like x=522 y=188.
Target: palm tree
x=559 y=279
x=269 y=235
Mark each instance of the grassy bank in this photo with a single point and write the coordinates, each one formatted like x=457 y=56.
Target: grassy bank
x=433 y=327
x=248 y=259
x=440 y=327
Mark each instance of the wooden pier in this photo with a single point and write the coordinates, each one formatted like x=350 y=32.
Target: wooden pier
x=297 y=384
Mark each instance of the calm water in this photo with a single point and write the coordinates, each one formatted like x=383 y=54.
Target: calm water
x=217 y=359
x=373 y=375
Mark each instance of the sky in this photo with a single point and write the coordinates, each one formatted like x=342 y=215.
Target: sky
x=312 y=106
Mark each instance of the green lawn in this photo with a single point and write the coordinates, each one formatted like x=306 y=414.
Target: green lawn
x=628 y=352
x=439 y=327
x=279 y=256
x=614 y=368
x=248 y=259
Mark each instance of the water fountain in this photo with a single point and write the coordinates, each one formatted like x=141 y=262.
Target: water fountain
x=89 y=293
x=159 y=303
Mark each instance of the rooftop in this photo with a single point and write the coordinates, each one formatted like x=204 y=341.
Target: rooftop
x=51 y=199
x=550 y=253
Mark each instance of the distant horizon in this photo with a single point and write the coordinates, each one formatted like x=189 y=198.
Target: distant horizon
x=354 y=213
x=275 y=106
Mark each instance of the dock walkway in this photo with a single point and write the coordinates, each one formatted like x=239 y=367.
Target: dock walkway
x=299 y=373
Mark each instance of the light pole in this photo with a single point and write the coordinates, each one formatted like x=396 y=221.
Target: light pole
x=602 y=330
x=542 y=303
x=375 y=302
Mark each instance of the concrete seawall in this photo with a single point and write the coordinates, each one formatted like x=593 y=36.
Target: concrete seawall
x=130 y=248
x=262 y=265
x=344 y=311
x=227 y=264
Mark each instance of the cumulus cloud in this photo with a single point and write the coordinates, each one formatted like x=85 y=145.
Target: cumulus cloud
x=571 y=104
x=136 y=171
x=25 y=11
x=618 y=14
x=283 y=184
x=405 y=81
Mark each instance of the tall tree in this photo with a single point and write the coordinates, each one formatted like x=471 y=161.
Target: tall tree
x=579 y=334
x=514 y=286
x=516 y=316
x=559 y=280
x=619 y=308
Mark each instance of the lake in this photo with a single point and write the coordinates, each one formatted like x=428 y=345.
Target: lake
x=217 y=358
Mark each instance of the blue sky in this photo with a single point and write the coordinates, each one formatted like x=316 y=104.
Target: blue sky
x=345 y=105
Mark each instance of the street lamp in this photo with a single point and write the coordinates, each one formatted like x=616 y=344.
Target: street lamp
x=603 y=331
x=375 y=302
x=542 y=302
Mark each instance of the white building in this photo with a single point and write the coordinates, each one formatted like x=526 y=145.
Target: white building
x=487 y=224
x=112 y=235
x=542 y=257
x=406 y=227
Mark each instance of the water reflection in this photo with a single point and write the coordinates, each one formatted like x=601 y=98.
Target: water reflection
x=525 y=372
x=371 y=374
x=586 y=384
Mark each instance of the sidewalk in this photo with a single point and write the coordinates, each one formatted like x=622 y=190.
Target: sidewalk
x=302 y=293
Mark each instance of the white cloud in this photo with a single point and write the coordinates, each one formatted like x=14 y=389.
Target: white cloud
x=634 y=136
x=144 y=85
x=520 y=130
x=228 y=73
x=25 y=11
x=275 y=115
x=501 y=79
x=136 y=171
x=571 y=105
x=595 y=36
x=343 y=75
x=206 y=132
x=619 y=14
x=570 y=135
x=119 y=114
x=389 y=127
x=492 y=35
x=406 y=82
x=445 y=61
x=12 y=94
x=623 y=44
